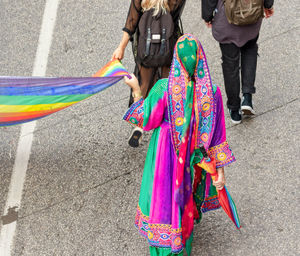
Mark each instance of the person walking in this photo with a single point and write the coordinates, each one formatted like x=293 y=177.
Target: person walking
x=237 y=35
x=186 y=113
x=147 y=73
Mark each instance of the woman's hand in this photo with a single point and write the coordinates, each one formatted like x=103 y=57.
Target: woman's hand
x=269 y=12
x=133 y=83
x=220 y=183
x=208 y=24
x=118 y=53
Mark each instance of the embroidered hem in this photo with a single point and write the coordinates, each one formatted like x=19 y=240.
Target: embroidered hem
x=159 y=235
x=222 y=154
x=135 y=113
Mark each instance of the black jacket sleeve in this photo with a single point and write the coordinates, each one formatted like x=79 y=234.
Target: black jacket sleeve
x=133 y=17
x=208 y=7
x=268 y=4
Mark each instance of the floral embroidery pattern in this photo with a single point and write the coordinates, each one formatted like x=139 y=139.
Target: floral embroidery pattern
x=135 y=113
x=222 y=154
x=159 y=235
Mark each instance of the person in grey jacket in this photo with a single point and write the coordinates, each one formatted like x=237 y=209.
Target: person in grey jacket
x=239 y=47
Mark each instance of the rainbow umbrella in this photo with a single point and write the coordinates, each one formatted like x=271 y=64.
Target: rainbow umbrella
x=24 y=99
x=209 y=165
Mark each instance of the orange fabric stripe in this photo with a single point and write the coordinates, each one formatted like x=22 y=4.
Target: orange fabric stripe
x=10 y=117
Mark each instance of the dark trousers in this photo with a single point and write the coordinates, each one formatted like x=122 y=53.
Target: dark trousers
x=233 y=57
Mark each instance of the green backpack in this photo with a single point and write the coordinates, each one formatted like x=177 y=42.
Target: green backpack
x=243 y=12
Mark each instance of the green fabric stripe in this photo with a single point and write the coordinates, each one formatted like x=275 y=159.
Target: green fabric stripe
x=215 y=87
x=156 y=94
x=188 y=245
x=35 y=100
x=148 y=175
x=158 y=251
x=188 y=106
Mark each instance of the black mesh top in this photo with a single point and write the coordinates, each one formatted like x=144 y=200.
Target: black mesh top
x=135 y=13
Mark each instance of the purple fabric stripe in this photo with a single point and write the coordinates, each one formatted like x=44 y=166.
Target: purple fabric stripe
x=162 y=203
x=61 y=89
x=54 y=81
x=207 y=184
x=219 y=132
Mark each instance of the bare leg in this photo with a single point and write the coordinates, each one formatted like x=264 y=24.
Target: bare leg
x=165 y=72
x=147 y=79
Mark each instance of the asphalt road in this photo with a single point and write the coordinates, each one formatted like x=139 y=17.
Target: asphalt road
x=82 y=181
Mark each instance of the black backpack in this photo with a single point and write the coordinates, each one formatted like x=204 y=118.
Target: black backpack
x=156 y=39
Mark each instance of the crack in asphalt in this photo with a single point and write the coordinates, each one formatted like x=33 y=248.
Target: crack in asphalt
x=280 y=34
x=267 y=111
x=75 y=195
x=76 y=116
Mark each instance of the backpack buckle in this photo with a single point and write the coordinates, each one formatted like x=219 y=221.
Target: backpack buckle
x=156 y=37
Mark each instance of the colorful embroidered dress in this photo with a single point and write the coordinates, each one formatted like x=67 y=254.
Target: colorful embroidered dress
x=186 y=112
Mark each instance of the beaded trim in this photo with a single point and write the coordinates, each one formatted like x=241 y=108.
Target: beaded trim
x=135 y=114
x=159 y=235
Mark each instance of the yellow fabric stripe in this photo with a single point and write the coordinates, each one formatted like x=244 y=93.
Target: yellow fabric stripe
x=30 y=108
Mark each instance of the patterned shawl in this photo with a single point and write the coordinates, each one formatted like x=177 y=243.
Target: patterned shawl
x=191 y=111
x=204 y=106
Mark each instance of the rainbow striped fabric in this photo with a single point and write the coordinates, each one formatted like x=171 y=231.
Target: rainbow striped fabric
x=24 y=99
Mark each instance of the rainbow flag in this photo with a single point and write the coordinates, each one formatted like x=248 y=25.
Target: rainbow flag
x=24 y=99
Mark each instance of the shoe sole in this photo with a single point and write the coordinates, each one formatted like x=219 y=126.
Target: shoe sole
x=247 y=111
x=134 y=140
x=235 y=122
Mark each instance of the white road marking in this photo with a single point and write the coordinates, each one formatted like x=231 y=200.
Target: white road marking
x=26 y=137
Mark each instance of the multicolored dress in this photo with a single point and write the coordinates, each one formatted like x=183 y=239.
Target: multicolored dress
x=174 y=192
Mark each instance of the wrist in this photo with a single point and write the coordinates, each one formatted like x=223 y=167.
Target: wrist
x=122 y=47
x=136 y=93
x=220 y=170
x=136 y=97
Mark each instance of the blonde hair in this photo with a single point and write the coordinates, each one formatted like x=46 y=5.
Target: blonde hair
x=157 y=5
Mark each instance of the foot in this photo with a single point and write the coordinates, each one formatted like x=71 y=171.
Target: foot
x=235 y=116
x=135 y=137
x=247 y=106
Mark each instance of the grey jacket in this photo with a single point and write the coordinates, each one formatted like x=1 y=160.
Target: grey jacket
x=214 y=11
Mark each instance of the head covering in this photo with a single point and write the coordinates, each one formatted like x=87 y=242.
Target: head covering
x=187 y=52
x=190 y=91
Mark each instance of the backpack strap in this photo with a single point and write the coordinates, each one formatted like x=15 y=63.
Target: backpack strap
x=148 y=42
x=163 y=42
